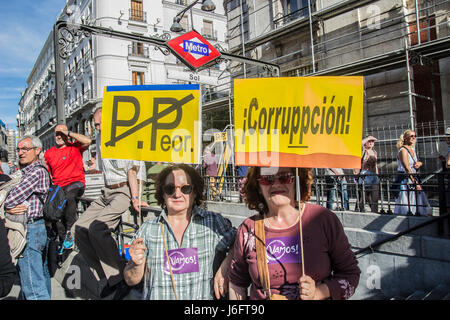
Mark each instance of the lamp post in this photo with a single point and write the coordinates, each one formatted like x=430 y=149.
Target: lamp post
x=207 y=5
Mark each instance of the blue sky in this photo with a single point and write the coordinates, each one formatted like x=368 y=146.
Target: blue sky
x=24 y=27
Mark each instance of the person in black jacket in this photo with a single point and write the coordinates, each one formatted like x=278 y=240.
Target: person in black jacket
x=7 y=269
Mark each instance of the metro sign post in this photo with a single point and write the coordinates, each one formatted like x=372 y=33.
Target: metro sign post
x=193 y=49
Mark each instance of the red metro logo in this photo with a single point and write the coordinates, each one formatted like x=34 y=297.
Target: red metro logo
x=193 y=49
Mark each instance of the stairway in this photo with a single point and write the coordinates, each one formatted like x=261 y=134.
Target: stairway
x=440 y=292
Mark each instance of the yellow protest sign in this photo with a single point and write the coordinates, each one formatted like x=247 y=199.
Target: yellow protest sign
x=151 y=123
x=311 y=122
x=220 y=136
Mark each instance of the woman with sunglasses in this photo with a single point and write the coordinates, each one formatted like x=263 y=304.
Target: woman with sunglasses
x=275 y=272
x=410 y=188
x=177 y=252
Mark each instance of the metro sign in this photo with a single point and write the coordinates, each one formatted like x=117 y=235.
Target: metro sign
x=193 y=49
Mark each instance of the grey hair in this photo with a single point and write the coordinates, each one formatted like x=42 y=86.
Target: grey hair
x=35 y=141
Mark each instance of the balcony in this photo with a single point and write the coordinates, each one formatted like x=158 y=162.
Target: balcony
x=295 y=15
x=138 y=51
x=209 y=34
x=138 y=55
x=86 y=97
x=87 y=58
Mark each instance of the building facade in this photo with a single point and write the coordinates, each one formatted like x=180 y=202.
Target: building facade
x=97 y=61
x=406 y=73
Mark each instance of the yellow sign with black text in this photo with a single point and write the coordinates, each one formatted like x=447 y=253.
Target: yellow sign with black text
x=151 y=123
x=310 y=122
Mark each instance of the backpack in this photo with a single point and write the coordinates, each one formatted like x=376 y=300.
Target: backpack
x=55 y=203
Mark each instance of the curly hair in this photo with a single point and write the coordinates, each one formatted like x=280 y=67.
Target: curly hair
x=255 y=200
x=196 y=181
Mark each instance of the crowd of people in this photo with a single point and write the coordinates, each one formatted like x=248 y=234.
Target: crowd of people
x=405 y=189
x=187 y=252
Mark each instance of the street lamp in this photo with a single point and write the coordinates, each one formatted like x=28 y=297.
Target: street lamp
x=207 y=5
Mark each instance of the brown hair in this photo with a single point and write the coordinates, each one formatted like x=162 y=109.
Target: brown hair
x=196 y=181
x=255 y=200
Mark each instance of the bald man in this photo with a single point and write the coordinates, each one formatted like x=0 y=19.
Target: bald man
x=65 y=165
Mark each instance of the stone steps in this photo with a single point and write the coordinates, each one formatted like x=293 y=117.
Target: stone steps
x=440 y=292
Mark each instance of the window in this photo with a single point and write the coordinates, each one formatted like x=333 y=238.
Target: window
x=137 y=12
x=208 y=28
x=137 y=78
x=295 y=8
x=137 y=48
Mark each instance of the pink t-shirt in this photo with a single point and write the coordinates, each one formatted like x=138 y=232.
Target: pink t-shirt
x=326 y=249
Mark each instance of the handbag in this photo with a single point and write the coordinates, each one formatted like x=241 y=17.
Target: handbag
x=261 y=258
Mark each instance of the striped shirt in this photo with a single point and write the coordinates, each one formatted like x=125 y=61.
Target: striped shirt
x=33 y=188
x=208 y=232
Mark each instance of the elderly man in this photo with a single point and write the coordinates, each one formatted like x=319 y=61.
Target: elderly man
x=28 y=197
x=93 y=228
x=65 y=164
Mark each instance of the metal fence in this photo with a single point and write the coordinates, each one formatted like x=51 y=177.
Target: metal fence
x=354 y=195
x=430 y=144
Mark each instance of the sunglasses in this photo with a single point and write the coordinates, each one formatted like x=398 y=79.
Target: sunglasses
x=169 y=189
x=268 y=180
x=412 y=136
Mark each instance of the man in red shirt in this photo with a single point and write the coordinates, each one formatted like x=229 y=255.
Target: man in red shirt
x=65 y=164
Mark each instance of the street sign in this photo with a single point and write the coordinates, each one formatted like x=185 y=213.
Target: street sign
x=193 y=49
x=220 y=136
x=192 y=77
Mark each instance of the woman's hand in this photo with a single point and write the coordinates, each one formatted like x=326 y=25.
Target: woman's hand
x=221 y=277
x=417 y=165
x=307 y=287
x=137 y=251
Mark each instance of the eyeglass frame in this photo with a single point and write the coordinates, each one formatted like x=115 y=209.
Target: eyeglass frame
x=25 y=149
x=177 y=187
x=288 y=176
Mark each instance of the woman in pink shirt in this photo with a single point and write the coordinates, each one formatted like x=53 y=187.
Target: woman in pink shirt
x=331 y=269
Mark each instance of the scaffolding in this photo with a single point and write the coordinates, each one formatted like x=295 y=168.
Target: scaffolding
x=398 y=46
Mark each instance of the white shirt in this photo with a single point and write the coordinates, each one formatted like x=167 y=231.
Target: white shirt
x=116 y=170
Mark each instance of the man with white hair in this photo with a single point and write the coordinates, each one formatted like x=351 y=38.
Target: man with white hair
x=28 y=197
x=64 y=161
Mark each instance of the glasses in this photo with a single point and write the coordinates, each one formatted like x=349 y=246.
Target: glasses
x=169 y=189
x=268 y=180
x=24 y=149
x=412 y=136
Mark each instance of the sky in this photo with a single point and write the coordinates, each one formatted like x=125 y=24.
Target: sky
x=24 y=27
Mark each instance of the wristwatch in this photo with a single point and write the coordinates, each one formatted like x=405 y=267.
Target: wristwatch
x=134 y=198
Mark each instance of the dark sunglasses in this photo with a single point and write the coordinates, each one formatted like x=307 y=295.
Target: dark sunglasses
x=170 y=188
x=267 y=180
x=412 y=136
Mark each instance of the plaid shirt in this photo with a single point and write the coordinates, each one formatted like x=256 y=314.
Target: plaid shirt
x=208 y=231
x=33 y=188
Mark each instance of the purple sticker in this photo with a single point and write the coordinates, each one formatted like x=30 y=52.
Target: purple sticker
x=283 y=249
x=184 y=260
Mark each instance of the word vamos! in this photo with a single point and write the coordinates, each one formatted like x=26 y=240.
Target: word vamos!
x=297 y=121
